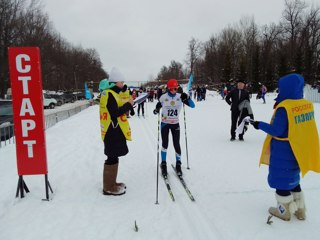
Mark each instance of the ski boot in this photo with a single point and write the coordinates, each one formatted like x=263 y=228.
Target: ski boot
x=178 y=169
x=164 y=171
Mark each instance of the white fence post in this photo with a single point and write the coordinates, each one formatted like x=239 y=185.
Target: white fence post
x=311 y=94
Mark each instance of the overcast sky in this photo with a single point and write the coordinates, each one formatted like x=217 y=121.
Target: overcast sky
x=141 y=36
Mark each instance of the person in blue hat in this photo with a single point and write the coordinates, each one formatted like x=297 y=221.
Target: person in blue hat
x=291 y=146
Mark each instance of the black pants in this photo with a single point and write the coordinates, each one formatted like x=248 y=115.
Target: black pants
x=141 y=105
x=234 y=122
x=285 y=193
x=175 y=131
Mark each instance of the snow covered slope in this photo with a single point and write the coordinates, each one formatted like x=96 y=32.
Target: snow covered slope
x=231 y=191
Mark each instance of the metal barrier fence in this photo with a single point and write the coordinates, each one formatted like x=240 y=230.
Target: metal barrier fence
x=312 y=94
x=53 y=118
x=7 y=133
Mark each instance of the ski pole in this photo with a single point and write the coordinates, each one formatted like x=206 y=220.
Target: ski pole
x=185 y=132
x=157 y=187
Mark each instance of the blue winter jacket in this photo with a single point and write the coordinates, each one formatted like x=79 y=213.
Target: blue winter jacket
x=284 y=171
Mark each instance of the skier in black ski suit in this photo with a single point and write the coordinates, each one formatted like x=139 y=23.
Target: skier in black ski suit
x=171 y=103
x=234 y=98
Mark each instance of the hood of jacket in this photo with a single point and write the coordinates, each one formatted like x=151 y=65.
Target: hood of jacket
x=290 y=87
x=105 y=84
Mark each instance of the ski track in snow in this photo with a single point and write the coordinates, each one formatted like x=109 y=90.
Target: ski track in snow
x=183 y=207
x=231 y=191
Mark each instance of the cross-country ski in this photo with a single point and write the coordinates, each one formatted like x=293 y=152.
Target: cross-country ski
x=185 y=187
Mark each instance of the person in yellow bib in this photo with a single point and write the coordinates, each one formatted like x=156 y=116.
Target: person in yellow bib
x=291 y=146
x=115 y=102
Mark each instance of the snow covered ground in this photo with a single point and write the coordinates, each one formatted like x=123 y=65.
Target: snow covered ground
x=231 y=191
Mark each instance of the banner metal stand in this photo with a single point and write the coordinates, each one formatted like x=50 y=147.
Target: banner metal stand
x=22 y=188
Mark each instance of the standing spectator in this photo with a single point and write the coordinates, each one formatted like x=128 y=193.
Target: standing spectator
x=171 y=103
x=198 y=90
x=222 y=91
x=291 y=146
x=318 y=86
x=115 y=129
x=151 y=95
x=141 y=105
x=263 y=93
x=134 y=94
x=234 y=98
x=203 y=92
x=159 y=92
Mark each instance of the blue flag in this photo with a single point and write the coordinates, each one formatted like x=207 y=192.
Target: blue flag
x=190 y=82
x=87 y=91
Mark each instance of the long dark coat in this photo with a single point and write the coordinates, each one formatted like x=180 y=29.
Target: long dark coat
x=115 y=143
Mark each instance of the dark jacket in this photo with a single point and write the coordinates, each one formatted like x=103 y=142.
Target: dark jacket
x=115 y=143
x=232 y=98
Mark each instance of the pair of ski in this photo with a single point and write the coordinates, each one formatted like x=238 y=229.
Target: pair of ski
x=185 y=187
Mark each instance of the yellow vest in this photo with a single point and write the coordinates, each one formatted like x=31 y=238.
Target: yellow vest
x=302 y=135
x=105 y=119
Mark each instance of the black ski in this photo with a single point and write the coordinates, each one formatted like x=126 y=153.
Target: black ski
x=166 y=181
x=184 y=184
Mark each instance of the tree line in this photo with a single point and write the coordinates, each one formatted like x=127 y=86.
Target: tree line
x=258 y=55
x=64 y=66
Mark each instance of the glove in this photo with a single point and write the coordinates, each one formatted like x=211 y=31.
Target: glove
x=255 y=124
x=132 y=112
x=184 y=97
x=156 y=111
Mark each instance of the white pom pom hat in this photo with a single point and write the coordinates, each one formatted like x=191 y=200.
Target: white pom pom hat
x=116 y=75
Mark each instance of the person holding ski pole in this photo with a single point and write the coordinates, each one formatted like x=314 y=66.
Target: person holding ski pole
x=115 y=102
x=291 y=146
x=171 y=103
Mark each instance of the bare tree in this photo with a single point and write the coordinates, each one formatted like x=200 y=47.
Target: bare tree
x=310 y=43
x=250 y=36
x=175 y=70
x=269 y=37
x=193 y=54
x=292 y=24
x=10 y=12
x=260 y=54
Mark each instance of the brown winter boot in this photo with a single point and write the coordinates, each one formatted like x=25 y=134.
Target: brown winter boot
x=120 y=184
x=298 y=198
x=109 y=181
x=285 y=207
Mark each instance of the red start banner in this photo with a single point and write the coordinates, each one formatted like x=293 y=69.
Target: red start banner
x=27 y=101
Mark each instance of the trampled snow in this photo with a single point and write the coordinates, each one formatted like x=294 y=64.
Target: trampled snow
x=231 y=190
